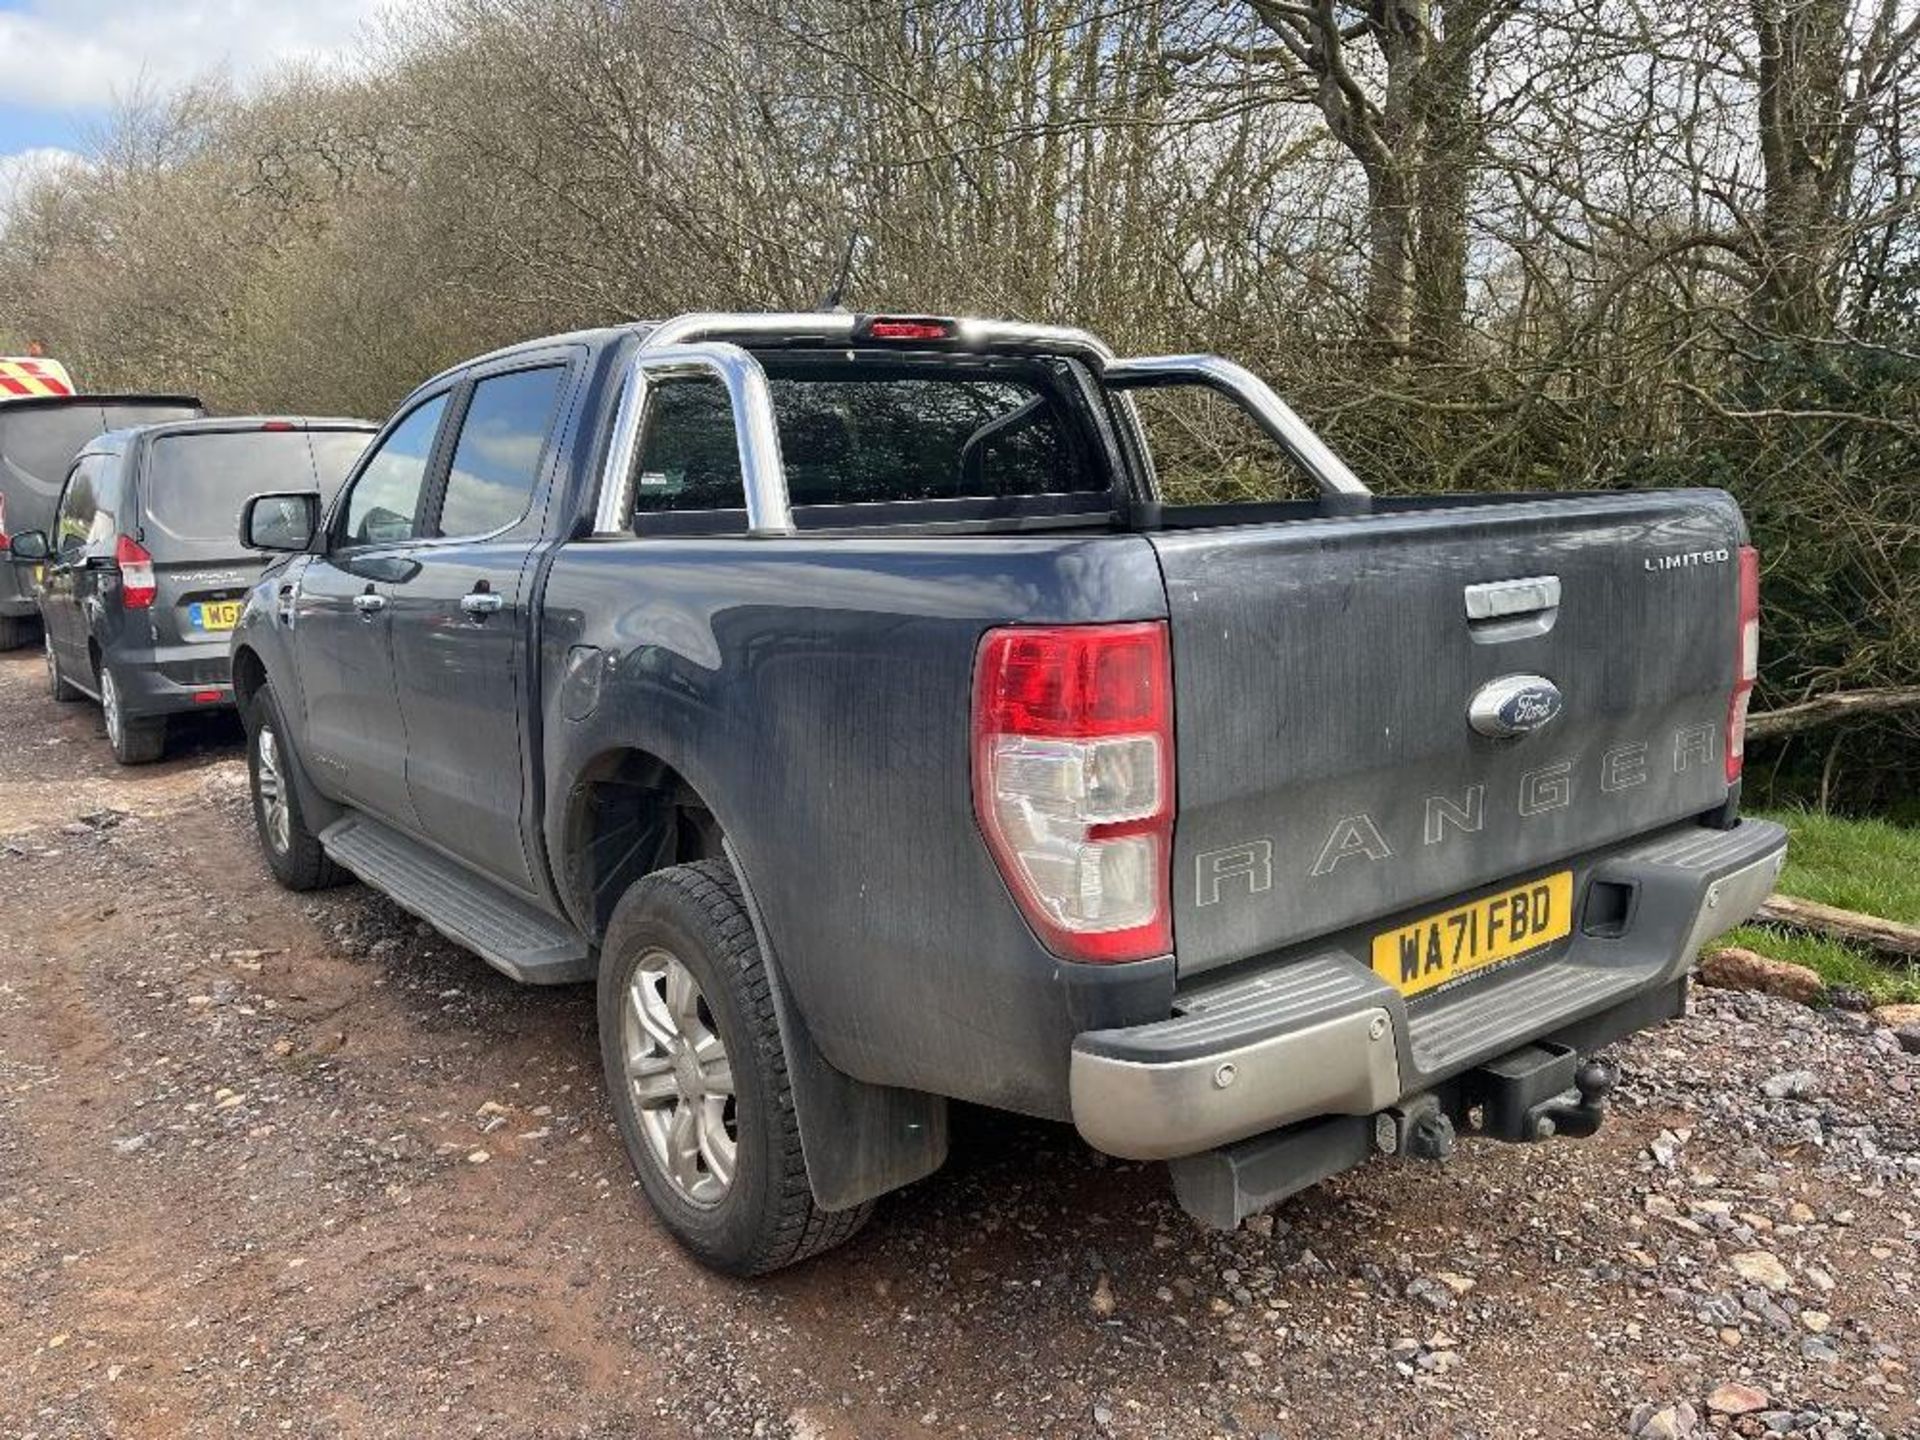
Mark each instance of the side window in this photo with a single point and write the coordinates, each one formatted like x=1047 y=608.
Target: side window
x=689 y=459
x=497 y=460
x=385 y=499
x=79 y=515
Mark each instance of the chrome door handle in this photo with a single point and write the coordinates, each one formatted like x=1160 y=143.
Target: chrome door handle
x=482 y=603
x=369 y=604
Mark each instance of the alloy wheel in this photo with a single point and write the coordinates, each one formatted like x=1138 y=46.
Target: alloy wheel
x=680 y=1078
x=110 y=707
x=270 y=787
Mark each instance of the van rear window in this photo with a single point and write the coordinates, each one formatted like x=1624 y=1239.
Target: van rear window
x=195 y=482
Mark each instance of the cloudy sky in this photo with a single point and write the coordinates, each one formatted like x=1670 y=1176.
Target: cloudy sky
x=62 y=62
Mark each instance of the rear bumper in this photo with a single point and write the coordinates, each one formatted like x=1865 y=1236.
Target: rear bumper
x=1321 y=1034
x=172 y=679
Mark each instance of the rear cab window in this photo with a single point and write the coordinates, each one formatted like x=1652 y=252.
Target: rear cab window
x=871 y=429
x=496 y=462
x=194 y=482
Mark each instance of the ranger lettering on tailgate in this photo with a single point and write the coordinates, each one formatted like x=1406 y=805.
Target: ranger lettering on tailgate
x=1222 y=871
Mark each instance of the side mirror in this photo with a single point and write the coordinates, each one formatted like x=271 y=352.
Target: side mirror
x=29 y=547
x=283 y=523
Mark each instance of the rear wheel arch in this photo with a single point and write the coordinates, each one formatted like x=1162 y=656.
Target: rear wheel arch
x=628 y=813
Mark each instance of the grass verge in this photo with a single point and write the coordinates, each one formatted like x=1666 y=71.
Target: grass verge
x=1865 y=865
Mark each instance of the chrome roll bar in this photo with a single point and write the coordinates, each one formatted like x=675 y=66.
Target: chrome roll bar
x=708 y=344
x=1272 y=414
x=762 y=473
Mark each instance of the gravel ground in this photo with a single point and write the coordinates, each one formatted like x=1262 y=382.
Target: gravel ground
x=274 y=1164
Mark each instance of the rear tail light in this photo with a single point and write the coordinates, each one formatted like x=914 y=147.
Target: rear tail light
x=1073 y=782
x=6 y=540
x=1746 y=661
x=136 y=573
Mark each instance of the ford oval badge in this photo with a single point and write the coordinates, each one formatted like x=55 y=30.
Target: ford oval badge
x=1514 y=705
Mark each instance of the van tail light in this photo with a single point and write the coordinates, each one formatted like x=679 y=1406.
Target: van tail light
x=1073 y=782
x=136 y=574
x=1746 y=662
x=6 y=540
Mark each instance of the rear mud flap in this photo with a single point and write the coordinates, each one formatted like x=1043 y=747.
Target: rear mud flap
x=859 y=1140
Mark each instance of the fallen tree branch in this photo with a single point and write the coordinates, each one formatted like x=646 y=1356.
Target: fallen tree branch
x=1825 y=709
x=1833 y=923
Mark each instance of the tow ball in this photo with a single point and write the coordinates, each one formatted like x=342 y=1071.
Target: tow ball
x=1533 y=1093
x=1580 y=1117
x=1539 y=1091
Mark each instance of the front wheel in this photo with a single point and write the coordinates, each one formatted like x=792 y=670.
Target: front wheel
x=134 y=741
x=58 y=686
x=698 y=1076
x=293 y=851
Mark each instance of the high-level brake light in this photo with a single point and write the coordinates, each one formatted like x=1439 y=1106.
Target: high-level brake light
x=1073 y=782
x=1746 y=661
x=136 y=573
x=907 y=327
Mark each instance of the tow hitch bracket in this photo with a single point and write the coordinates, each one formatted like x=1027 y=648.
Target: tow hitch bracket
x=1539 y=1091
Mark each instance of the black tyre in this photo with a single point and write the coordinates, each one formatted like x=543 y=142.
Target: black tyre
x=698 y=1076
x=58 y=685
x=16 y=631
x=293 y=851
x=135 y=741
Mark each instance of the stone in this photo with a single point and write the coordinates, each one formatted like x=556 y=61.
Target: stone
x=1103 y=1304
x=1909 y=1038
x=1820 y=1351
x=1896 y=1016
x=1762 y=1267
x=1791 y=1085
x=1816 y=1320
x=1669 y=1422
x=1733 y=1398
x=1736 y=969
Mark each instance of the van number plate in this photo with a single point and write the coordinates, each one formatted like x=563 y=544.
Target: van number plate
x=214 y=614
x=1443 y=947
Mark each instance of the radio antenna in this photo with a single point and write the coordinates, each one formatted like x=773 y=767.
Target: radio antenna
x=831 y=300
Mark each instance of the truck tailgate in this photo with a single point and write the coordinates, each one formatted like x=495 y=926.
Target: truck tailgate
x=1327 y=772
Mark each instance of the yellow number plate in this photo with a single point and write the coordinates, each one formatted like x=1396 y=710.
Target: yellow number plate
x=214 y=615
x=1455 y=942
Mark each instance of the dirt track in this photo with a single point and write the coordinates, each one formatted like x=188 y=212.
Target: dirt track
x=276 y=1164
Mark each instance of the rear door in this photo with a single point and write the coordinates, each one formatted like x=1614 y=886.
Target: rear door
x=192 y=485
x=1329 y=773
x=356 y=739
x=460 y=626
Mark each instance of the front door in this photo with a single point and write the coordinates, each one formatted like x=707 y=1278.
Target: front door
x=84 y=530
x=460 y=623
x=355 y=740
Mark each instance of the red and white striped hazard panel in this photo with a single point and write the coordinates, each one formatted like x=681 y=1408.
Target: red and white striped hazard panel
x=24 y=376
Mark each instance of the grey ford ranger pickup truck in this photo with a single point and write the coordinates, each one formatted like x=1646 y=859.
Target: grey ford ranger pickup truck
x=840 y=694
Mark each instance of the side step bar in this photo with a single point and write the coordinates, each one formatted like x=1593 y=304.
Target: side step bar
x=501 y=929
